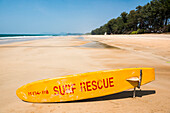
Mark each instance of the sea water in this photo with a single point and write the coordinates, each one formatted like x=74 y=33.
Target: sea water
x=10 y=38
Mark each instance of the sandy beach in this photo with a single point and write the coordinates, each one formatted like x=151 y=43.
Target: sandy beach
x=25 y=62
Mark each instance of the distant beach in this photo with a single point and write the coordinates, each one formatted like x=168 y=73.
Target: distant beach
x=32 y=60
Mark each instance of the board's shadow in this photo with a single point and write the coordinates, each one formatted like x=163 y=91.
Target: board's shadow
x=121 y=95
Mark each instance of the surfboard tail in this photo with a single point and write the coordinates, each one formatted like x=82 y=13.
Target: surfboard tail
x=145 y=76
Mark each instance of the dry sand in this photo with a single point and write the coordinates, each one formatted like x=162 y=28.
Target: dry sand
x=24 y=62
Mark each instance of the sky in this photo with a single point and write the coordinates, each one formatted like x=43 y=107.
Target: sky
x=56 y=16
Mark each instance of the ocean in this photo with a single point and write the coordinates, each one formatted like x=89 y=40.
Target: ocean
x=10 y=38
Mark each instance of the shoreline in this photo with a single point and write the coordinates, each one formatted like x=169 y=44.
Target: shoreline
x=25 y=62
x=9 y=40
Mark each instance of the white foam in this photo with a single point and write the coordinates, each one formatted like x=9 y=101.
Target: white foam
x=22 y=37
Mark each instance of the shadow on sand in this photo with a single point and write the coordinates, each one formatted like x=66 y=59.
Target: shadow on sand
x=121 y=95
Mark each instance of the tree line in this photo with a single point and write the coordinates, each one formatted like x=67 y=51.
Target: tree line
x=152 y=17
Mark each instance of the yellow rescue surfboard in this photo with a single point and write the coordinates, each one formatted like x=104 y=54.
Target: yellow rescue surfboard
x=85 y=85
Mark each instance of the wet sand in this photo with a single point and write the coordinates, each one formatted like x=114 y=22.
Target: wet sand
x=24 y=62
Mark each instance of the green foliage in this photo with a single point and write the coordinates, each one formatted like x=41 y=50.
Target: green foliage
x=140 y=31
x=167 y=28
x=124 y=17
x=134 y=32
x=152 y=17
